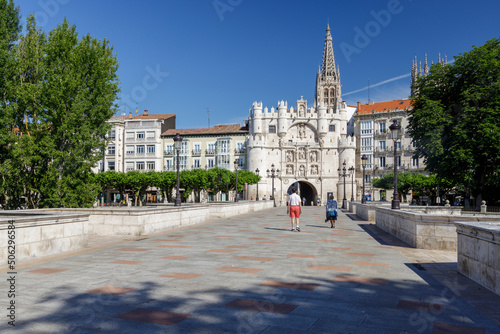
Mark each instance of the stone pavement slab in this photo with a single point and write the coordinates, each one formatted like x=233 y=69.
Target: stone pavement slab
x=251 y=274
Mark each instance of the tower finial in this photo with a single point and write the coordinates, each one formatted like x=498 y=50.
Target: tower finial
x=426 y=67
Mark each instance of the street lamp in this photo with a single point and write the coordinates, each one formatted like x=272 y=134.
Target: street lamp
x=343 y=174
x=272 y=174
x=257 y=172
x=351 y=170
x=177 y=145
x=395 y=128
x=236 y=169
x=364 y=160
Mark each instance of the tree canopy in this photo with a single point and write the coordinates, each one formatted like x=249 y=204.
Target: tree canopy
x=455 y=120
x=58 y=91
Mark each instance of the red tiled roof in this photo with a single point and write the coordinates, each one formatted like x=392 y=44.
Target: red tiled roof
x=384 y=106
x=218 y=129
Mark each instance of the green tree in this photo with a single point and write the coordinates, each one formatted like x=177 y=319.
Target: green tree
x=165 y=181
x=219 y=179
x=195 y=181
x=57 y=97
x=455 y=120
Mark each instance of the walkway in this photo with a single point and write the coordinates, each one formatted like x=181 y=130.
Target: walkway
x=251 y=274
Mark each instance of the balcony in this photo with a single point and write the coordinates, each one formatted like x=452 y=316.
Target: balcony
x=196 y=153
x=169 y=153
x=381 y=133
x=209 y=152
x=236 y=151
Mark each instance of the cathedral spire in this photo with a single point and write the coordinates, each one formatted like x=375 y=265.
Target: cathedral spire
x=328 y=78
x=328 y=65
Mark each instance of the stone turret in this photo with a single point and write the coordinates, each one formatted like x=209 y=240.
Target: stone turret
x=257 y=118
x=322 y=120
x=347 y=150
x=282 y=119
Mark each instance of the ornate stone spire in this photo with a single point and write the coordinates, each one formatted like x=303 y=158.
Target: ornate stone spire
x=328 y=65
x=328 y=78
x=426 y=67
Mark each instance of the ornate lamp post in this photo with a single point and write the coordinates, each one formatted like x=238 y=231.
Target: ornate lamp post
x=351 y=170
x=364 y=160
x=272 y=174
x=236 y=186
x=177 y=146
x=257 y=172
x=343 y=174
x=395 y=128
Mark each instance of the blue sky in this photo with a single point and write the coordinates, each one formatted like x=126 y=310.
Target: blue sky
x=187 y=56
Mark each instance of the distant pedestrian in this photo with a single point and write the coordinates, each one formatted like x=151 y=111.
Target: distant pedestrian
x=264 y=198
x=331 y=211
x=294 y=208
x=303 y=201
x=319 y=201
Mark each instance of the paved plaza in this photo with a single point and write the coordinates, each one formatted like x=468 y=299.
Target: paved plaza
x=251 y=274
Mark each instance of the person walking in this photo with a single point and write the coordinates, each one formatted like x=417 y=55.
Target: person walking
x=294 y=208
x=331 y=211
x=303 y=201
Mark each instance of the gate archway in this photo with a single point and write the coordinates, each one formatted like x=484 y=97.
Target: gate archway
x=304 y=190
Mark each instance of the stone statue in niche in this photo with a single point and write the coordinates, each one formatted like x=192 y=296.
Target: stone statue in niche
x=289 y=156
x=289 y=170
x=301 y=111
x=302 y=170
x=302 y=131
x=313 y=156
x=314 y=170
x=302 y=153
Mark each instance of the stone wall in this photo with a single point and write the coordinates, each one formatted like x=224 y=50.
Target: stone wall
x=156 y=218
x=365 y=211
x=479 y=252
x=352 y=207
x=424 y=230
x=42 y=234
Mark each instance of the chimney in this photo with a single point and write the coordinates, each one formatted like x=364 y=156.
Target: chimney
x=130 y=115
x=359 y=106
x=145 y=112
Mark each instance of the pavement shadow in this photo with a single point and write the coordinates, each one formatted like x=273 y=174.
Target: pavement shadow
x=455 y=285
x=341 y=303
x=382 y=236
x=354 y=217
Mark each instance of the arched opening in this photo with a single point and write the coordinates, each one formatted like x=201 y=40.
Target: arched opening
x=304 y=190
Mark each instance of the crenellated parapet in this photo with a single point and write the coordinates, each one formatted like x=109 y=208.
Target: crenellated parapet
x=347 y=142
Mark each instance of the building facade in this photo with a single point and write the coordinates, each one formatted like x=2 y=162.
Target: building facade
x=134 y=142
x=371 y=126
x=306 y=144
x=219 y=146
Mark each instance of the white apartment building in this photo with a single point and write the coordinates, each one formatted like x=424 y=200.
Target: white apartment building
x=135 y=142
x=371 y=126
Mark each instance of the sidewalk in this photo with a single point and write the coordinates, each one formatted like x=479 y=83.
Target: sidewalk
x=251 y=274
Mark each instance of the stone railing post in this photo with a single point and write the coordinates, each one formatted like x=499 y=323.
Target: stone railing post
x=447 y=203
x=483 y=207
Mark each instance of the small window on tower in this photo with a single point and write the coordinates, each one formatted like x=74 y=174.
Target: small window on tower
x=272 y=128
x=332 y=128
